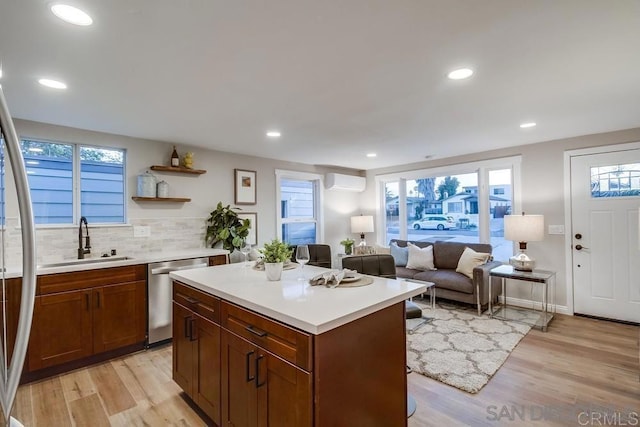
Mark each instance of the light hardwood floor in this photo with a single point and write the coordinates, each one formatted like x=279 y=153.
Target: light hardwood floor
x=580 y=367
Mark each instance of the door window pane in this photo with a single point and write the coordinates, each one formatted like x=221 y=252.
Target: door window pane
x=615 y=180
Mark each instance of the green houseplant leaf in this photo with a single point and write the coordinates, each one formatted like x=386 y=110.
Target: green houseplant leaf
x=276 y=251
x=225 y=226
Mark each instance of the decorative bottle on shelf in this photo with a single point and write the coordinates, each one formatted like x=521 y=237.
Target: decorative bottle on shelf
x=175 y=159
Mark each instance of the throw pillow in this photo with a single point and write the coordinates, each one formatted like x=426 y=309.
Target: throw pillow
x=469 y=260
x=420 y=258
x=400 y=255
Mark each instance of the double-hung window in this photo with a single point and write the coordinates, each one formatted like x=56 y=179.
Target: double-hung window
x=68 y=181
x=299 y=208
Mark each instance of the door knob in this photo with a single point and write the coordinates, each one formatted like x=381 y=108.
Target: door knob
x=580 y=247
x=578 y=236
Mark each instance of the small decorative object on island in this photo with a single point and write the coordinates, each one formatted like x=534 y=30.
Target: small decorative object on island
x=275 y=254
x=188 y=160
x=348 y=245
x=227 y=228
x=175 y=159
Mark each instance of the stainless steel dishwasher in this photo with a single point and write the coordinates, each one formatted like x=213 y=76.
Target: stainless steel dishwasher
x=161 y=295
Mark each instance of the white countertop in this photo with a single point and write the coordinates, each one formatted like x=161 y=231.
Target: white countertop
x=314 y=309
x=132 y=259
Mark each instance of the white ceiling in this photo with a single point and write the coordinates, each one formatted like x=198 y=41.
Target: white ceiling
x=338 y=78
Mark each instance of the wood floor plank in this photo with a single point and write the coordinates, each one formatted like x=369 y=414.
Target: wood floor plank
x=22 y=408
x=77 y=384
x=88 y=411
x=49 y=405
x=578 y=363
x=114 y=394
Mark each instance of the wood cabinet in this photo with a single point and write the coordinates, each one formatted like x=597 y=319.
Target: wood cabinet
x=260 y=389
x=84 y=314
x=272 y=374
x=196 y=348
x=218 y=260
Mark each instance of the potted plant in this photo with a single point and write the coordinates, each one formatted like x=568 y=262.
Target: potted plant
x=226 y=227
x=348 y=245
x=275 y=254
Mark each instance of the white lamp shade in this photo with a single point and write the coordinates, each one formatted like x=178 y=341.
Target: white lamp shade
x=362 y=224
x=524 y=228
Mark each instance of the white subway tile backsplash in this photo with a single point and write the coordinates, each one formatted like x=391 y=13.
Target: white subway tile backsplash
x=58 y=244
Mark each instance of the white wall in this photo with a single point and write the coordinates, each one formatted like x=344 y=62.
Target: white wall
x=181 y=224
x=542 y=177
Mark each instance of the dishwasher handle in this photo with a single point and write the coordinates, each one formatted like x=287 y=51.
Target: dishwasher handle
x=167 y=270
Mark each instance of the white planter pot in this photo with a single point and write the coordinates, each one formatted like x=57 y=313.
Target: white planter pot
x=273 y=270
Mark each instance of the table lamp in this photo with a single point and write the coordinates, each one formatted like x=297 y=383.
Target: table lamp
x=522 y=229
x=362 y=224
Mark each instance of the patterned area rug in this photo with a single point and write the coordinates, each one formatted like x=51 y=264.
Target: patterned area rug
x=460 y=348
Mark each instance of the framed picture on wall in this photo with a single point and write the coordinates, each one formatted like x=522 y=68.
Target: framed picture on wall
x=245 y=187
x=252 y=237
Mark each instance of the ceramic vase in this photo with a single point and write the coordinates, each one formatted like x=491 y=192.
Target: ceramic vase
x=273 y=270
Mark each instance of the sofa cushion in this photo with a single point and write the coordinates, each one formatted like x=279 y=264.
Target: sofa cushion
x=469 y=260
x=446 y=279
x=420 y=258
x=447 y=254
x=400 y=255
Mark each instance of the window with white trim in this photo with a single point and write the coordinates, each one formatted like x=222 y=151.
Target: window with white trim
x=463 y=194
x=68 y=181
x=299 y=207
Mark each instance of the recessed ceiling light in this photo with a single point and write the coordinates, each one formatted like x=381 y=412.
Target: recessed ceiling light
x=527 y=125
x=372 y=155
x=273 y=134
x=460 y=73
x=52 y=83
x=71 y=14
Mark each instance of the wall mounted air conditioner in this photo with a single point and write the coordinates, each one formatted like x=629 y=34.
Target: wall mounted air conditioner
x=338 y=181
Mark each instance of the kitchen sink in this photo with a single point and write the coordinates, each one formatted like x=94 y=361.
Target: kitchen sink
x=84 y=261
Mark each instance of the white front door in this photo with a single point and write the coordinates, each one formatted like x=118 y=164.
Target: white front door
x=605 y=198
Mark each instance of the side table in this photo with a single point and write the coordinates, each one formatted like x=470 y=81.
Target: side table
x=543 y=277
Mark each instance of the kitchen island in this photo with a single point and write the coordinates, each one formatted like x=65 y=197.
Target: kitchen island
x=253 y=352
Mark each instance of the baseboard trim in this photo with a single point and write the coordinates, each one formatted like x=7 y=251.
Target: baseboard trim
x=536 y=305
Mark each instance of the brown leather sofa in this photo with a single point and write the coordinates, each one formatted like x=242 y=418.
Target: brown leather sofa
x=450 y=284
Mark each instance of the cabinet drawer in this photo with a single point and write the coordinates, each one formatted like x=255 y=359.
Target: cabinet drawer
x=290 y=344
x=202 y=303
x=64 y=282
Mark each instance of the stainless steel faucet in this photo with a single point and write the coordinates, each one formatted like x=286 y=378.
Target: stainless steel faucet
x=87 y=244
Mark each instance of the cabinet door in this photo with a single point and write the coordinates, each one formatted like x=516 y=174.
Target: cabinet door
x=183 y=354
x=119 y=315
x=206 y=385
x=284 y=393
x=239 y=393
x=62 y=329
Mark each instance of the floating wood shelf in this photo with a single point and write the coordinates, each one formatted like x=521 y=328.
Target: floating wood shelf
x=161 y=199
x=161 y=168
